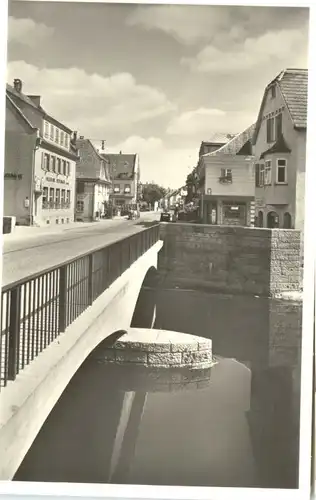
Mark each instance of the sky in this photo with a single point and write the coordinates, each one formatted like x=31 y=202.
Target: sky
x=153 y=79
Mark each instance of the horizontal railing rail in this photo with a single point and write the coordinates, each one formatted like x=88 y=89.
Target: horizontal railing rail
x=35 y=310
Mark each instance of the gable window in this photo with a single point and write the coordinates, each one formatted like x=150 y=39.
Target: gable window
x=117 y=188
x=51 y=134
x=273 y=92
x=226 y=175
x=270 y=129
x=278 y=126
x=267 y=173
x=46 y=130
x=57 y=135
x=281 y=177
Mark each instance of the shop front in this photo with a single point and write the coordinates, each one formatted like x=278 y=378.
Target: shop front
x=219 y=210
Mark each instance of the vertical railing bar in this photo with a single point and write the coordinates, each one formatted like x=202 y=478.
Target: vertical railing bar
x=14 y=333
x=48 y=309
x=42 y=331
x=37 y=315
x=63 y=290
x=56 y=302
x=24 y=346
x=33 y=319
x=29 y=341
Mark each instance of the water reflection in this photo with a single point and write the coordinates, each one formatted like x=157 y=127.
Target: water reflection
x=234 y=425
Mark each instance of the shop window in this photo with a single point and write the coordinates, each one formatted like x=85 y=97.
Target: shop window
x=80 y=206
x=57 y=198
x=281 y=171
x=80 y=187
x=45 y=198
x=51 y=198
x=62 y=198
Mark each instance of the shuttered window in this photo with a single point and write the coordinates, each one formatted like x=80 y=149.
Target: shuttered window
x=257 y=174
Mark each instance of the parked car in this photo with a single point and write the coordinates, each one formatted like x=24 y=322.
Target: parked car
x=165 y=217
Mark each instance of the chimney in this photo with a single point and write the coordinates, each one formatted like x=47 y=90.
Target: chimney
x=17 y=84
x=120 y=152
x=36 y=99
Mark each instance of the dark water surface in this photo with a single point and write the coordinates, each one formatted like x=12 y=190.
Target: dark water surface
x=237 y=425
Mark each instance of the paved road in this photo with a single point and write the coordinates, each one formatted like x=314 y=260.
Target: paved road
x=24 y=257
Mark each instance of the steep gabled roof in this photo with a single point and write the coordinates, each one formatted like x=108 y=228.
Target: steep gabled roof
x=20 y=113
x=293 y=85
x=91 y=170
x=19 y=96
x=122 y=166
x=240 y=144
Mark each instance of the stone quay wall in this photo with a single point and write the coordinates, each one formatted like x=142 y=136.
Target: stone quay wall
x=264 y=262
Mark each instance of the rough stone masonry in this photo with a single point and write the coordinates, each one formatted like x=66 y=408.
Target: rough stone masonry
x=264 y=262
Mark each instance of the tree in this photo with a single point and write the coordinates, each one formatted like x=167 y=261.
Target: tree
x=152 y=192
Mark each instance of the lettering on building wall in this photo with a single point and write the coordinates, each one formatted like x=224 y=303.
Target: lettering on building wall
x=52 y=179
x=9 y=175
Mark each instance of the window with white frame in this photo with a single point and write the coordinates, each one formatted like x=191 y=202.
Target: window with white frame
x=63 y=170
x=226 y=175
x=261 y=175
x=46 y=161
x=51 y=197
x=66 y=141
x=281 y=172
x=58 y=167
x=117 y=188
x=46 y=130
x=267 y=173
x=127 y=188
x=52 y=166
x=51 y=134
x=62 y=135
x=57 y=135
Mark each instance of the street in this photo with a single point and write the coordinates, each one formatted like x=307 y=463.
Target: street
x=26 y=256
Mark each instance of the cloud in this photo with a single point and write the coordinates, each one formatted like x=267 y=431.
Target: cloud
x=187 y=24
x=220 y=25
x=202 y=123
x=286 y=46
x=168 y=166
x=27 y=31
x=91 y=103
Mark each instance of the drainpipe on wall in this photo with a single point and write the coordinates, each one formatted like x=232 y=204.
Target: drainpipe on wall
x=36 y=147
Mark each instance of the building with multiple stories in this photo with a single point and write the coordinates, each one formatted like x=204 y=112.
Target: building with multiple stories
x=125 y=176
x=40 y=162
x=227 y=185
x=279 y=144
x=93 y=183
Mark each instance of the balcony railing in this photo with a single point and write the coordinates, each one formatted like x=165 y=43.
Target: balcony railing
x=37 y=309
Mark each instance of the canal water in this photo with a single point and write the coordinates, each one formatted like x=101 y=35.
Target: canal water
x=236 y=425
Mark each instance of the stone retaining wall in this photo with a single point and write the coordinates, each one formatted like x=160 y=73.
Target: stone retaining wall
x=230 y=259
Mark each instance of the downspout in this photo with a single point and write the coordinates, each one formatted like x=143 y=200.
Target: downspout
x=32 y=203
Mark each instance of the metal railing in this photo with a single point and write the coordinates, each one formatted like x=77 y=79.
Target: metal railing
x=35 y=310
